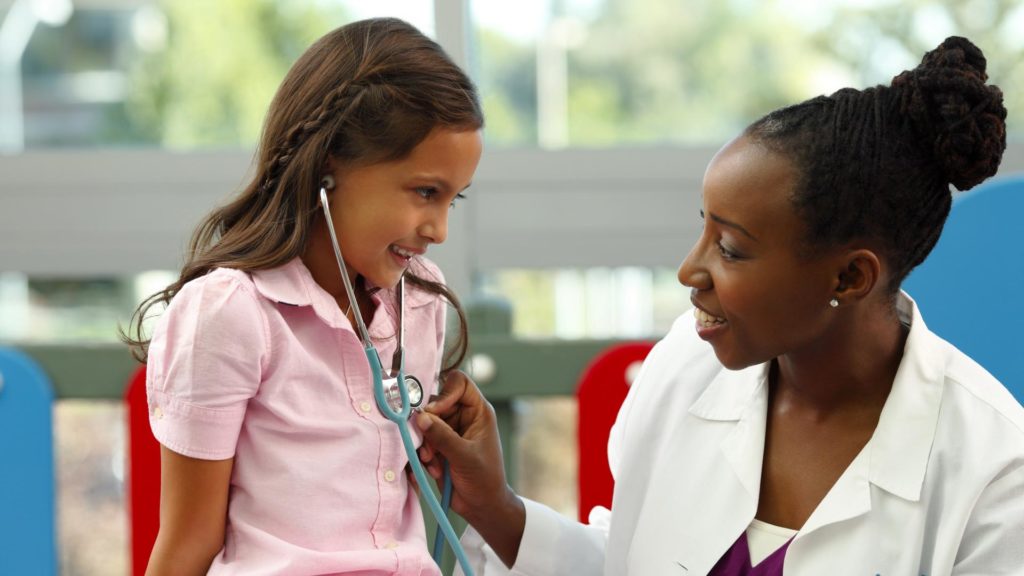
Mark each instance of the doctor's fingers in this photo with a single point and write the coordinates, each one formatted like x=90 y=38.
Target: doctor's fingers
x=474 y=461
x=458 y=446
x=411 y=477
x=431 y=460
x=458 y=391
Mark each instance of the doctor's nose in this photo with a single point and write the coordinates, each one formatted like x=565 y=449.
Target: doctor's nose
x=692 y=272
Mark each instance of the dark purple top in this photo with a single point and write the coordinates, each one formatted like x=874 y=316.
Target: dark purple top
x=736 y=561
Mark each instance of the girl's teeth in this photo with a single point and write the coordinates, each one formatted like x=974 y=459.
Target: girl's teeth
x=706 y=319
x=401 y=252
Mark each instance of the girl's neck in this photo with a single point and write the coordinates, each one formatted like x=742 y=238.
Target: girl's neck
x=319 y=258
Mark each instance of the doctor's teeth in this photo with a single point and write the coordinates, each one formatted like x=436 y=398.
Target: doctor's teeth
x=707 y=319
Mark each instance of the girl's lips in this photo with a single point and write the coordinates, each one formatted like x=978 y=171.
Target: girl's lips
x=403 y=255
x=402 y=261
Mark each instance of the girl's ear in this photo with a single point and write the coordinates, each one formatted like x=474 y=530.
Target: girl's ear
x=859 y=276
x=327 y=171
x=327 y=182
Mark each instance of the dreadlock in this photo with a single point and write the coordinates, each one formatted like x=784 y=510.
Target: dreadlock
x=879 y=163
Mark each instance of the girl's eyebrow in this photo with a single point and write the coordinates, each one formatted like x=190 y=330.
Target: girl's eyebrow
x=438 y=180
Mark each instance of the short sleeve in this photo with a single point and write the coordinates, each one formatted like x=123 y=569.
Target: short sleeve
x=205 y=363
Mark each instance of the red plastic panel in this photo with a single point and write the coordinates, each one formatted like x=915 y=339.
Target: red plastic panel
x=600 y=393
x=143 y=474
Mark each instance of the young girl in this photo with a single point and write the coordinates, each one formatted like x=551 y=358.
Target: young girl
x=275 y=458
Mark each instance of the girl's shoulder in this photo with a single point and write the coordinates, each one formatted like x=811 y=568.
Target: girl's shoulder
x=217 y=284
x=223 y=296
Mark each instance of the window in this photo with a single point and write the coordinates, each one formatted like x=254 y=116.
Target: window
x=171 y=74
x=602 y=73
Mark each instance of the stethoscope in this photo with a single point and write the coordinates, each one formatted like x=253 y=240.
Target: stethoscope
x=396 y=401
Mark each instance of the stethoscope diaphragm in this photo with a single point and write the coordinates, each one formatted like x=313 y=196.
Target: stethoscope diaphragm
x=394 y=396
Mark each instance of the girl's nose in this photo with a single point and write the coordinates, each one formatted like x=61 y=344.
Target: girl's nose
x=435 y=228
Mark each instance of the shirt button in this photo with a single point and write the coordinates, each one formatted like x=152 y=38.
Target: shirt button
x=391 y=545
x=389 y=476
x=158 y=413
x=365 y=407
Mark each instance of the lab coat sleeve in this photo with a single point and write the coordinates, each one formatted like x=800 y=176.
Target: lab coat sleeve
x=552 y=545
x=993 y=542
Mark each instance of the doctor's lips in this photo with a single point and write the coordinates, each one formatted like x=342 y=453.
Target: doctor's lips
x=707 y=320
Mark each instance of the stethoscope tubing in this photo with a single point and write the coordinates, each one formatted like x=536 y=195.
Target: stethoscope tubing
x=446 y=504
x=400 y=417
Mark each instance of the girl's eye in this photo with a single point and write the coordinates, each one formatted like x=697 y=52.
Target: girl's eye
x=459 y=196
x=426 y=192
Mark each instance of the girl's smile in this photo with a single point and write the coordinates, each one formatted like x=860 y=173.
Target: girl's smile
x=388 y=213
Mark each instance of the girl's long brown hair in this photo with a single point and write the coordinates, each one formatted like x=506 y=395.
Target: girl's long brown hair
x=367 y=92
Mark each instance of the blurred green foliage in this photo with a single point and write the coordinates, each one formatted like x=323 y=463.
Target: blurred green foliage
x=698 y=71
x=212 y=84
x=638 y=72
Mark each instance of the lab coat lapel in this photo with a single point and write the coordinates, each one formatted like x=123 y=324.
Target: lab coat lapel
x=849 y=497
x=678 y=533
x=896 y=457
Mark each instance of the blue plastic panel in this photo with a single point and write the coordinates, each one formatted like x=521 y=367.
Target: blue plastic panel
x=27 y=535
x=971 y=287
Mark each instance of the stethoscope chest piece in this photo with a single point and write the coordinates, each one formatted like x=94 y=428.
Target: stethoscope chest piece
x=394 y=396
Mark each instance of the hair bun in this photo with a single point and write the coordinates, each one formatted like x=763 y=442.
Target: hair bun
x=950 y=106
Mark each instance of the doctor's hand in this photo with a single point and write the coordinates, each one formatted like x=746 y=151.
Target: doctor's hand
x=460 y=426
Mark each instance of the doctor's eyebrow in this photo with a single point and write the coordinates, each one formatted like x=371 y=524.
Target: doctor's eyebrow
x=730 y=224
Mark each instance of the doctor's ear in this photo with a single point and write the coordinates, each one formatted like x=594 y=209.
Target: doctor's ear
x=327 y=182
x=861 y=273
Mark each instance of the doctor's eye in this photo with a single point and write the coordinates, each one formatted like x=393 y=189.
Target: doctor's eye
x=728 y=253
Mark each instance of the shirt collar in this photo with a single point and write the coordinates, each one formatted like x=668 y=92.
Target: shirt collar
x=730 y=392
x=901 y=444
x=293 y=284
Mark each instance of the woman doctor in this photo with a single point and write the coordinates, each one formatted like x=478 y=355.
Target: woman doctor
x=803 y=420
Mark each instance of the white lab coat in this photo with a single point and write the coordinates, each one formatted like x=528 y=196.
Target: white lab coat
x=938 y=490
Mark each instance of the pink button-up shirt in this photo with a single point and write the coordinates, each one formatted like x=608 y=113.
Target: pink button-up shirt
x=265 y=368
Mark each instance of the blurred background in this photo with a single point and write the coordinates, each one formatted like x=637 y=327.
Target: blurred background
x=123 y=121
